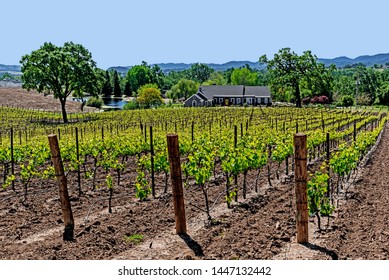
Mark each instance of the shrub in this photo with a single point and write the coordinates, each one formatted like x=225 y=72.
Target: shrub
x=95 y=102
x=347 y=101
x=131 y=105
x=149 y=96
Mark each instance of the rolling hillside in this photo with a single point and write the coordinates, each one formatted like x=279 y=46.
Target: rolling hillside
x=368 y=60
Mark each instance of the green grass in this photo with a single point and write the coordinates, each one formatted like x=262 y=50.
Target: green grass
x=134 y=238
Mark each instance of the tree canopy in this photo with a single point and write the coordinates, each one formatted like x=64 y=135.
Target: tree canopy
x=107 y=87
x=183 y=89
x=288 y=70
x=199 y=72
x=117 y=90
x=244 y=76
x=149 y=95
x=143 y=74
x=138 y=76
x=61 y=71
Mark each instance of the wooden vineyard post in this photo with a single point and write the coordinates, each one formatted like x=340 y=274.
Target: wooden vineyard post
x=235 y=175
x=63 y=189
x=300 y=157
x=78 y=164
x=175 y=175
x=192 y=131
x=152 y=162
x=12 y=158
x=328 y=161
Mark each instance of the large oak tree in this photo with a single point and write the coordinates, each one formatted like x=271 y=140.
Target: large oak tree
x=61 y=71
x=288 y=70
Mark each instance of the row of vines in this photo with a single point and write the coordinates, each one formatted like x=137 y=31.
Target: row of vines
x=218 y=147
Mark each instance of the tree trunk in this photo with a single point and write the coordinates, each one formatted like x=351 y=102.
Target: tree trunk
x=64 y=114
x=298 y=97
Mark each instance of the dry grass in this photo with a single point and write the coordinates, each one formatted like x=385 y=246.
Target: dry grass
x=21 y=98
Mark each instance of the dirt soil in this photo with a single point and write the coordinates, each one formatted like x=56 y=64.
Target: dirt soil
x=259 y=227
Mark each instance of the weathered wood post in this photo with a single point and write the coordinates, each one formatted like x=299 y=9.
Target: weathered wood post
x=192 y=131
x=175 y=175
x=328 y=161
x=152 y=162
x=300 y=173
x=63 y=189
x=12 y=157
x=236 y=176
x=78 y=163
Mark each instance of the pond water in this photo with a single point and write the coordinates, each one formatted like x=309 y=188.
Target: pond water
x=114 y=102
x=110 y=103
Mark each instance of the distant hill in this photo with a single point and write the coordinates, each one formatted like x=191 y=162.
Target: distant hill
x=11 y=69
x=169 y=67
x=368 y=60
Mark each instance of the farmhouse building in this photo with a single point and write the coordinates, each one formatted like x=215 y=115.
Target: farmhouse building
x=229 y=96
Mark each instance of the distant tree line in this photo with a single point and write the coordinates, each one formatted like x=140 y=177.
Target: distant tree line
x=70 y=71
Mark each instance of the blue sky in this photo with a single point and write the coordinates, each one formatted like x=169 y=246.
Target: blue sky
x=120 y=32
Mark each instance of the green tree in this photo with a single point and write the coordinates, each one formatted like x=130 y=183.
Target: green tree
x=367 y=81
x=287 y=69
x=228 y=73
x=383 y=94
x=157 y=76
x=138 y=76
x=216 y=78
x=6 y=75
x=199 y=72
x=343 y=85
x=117 y=91
x=173 y=77
x=127 y=89
x=149 y=95
x=107 y=88
x=322 y=82
x=183 y=89
x=61 y=71
x=243 y=76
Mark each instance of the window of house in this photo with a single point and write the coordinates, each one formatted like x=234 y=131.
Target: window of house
x=232 y=100
x=220 y=100
x=238 y=101
x=194 y=103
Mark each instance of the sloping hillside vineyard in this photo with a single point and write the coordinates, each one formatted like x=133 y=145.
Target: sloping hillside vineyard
x=219 y=148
